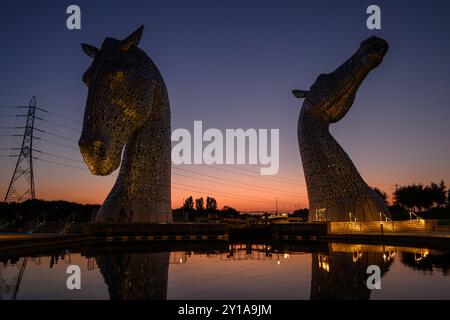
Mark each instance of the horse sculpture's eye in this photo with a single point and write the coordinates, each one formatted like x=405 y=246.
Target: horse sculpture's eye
x=88 y=78
x=119 y=76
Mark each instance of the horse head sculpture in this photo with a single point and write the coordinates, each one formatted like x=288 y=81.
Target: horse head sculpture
x=128 y=106
x=335 y=188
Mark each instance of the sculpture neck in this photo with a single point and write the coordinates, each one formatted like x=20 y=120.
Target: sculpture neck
x=144 y=178
x=329 y=171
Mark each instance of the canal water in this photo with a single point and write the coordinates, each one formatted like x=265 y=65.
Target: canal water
x=225 y=271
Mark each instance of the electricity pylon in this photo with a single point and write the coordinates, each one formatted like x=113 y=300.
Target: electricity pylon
x=24 y=165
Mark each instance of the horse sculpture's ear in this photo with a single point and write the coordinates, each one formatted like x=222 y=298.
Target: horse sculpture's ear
x=133 y=39
x=300 y=93
x=91 y=51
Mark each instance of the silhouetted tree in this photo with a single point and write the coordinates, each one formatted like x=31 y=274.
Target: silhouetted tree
x=229 y=211
x=448 y=198
x=199 y=204
x=211 y=204
x=438 y=194
x=382 y=194
x=416 y=196
x=409 y=196
x=301 y=213
x=188 y=204
x=55 y=211
x=425 y=198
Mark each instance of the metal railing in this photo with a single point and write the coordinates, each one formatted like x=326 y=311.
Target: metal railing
x=67 y=223
x=37 y=222
x=354 y=224
x=352 y=217
x=321 y=214
x=385 y=217
x=416 y=217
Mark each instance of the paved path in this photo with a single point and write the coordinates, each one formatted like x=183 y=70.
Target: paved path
x=10 y=242
x=401 y=234
x=28 y=236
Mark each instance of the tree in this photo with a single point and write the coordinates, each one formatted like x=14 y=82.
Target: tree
x=229 y=211
x=438 y=193
x=416 y=196
x=448 y=198
x=301 y=213
x=409 y=196
x=188 y=204
x=425 y=198
x=382 y=194
x=199 y=204
x=211 y=204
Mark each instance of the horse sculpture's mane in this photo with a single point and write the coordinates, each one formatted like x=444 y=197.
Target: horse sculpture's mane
x=336 y=190
x=128 y=110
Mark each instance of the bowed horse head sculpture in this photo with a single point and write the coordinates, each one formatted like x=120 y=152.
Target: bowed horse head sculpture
x=336 y=190
x=128 y=106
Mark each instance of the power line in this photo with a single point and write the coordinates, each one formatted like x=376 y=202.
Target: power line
x=64 y=117
x=196 y=189
x=176 y=174
x=59 y=144
x=60 y=136
x=58 y=156
x=212 y=167
x=63 y=164
x=229 y=169
x=61 y=125
x=44 y=132
x=234 y=184
x=221 y=183
x=253 y=175
x=242 y=183
x=46 y=111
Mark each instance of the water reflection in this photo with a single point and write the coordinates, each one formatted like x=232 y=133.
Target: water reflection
x=427 y=261
x=138 y=276
x=342 y=275
x=289 y=271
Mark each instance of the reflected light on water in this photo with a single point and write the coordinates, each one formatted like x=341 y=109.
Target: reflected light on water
x=237 y=271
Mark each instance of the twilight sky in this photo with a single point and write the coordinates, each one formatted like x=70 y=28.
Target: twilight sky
x=232 y=64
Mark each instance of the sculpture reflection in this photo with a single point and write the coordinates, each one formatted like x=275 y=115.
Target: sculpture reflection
x=135 y=276
x=343 y=276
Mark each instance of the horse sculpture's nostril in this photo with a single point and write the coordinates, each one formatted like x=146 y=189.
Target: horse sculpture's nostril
x=100 y=150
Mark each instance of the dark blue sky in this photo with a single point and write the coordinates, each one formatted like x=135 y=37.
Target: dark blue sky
x=233 y=64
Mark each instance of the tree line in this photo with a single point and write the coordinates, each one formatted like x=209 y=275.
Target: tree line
x=417 y=197
x=200 y=207
x=428 y=201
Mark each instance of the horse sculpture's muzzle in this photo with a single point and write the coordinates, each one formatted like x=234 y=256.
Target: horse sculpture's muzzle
x=332 y=94
x=96 y=156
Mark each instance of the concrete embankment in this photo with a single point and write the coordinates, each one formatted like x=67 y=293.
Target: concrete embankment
x=104 y=234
